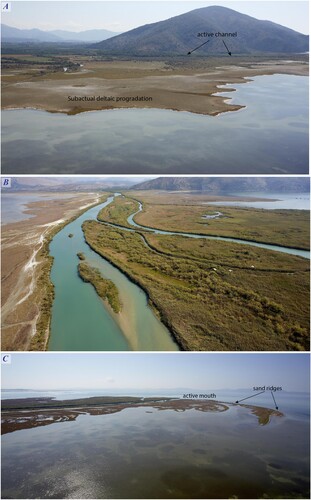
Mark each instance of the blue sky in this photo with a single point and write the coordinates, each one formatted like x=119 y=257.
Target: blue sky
x=122 y=16
x=147 y=371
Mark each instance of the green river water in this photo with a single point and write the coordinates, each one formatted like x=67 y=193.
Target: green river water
x=81 y=321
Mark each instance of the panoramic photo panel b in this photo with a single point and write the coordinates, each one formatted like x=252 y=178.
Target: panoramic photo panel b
x=155 y=264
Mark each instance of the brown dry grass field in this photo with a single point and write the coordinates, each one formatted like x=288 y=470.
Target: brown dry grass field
x=214 y=295
x=184 y=213
x=184 y=84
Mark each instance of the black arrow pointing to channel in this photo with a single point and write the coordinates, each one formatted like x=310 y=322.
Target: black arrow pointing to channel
x=197 y=47
x=227 y=48
x=250 y=397
x=276 y=407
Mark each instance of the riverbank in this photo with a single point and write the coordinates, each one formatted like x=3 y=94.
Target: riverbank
x=282 y=229
x=152 y=84
x=211 y=295
x=77 y=307
x=106 y=289
x=121 y=318
x=27 y=292
x=187 y=282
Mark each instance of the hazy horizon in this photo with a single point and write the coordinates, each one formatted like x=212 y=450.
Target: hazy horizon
x=126 y=15
x=128 y=179
x=136 y=371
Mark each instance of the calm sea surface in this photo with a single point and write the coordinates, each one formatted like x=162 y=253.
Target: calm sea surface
x=150 y=453
x=269 y=136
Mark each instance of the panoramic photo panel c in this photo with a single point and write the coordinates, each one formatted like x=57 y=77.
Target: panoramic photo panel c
x=171 y=88
x=132 y=425
x=155 y=263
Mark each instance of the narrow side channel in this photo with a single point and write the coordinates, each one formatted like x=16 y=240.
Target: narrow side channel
x=276 y=248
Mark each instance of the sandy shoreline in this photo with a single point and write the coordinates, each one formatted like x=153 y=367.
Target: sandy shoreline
x=22 y=266
x=182 y=88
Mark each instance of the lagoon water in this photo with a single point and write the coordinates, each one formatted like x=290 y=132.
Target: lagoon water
x=80 y=321
x=294 y=404
x=273 y=201
x=150 y=453
x=14 y=205
x=269 y=136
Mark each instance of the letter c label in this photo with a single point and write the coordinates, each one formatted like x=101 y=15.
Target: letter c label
x=6 y=359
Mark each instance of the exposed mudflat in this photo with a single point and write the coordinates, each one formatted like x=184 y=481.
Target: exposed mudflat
x=186 y=85
x=27 y=413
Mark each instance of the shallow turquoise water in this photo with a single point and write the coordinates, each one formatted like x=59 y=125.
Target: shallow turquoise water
x=80 y=321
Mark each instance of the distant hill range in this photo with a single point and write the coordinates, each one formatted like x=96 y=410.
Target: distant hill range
x=227 y=185
x=179 y=35
x=57 y=184
x=212 y=185
x=15 y=35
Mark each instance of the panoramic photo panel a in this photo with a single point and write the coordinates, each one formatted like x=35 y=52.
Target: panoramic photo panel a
x=172 y=88
x=120 y=425
x=155 y=264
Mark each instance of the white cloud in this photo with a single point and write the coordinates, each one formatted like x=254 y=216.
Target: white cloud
x=110 y=380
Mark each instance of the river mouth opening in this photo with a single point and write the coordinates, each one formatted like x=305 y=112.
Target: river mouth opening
x=177 y=449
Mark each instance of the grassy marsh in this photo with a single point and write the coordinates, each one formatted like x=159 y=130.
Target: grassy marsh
x=280 y=227
x=214 y=295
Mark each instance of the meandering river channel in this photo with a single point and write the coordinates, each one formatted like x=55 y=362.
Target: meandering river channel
x=81 y=322
x=277 y=248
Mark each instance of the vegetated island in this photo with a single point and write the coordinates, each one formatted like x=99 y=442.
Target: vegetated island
x=27 y=291
x=18 y=414
x=214 y=295
x=105 y=288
